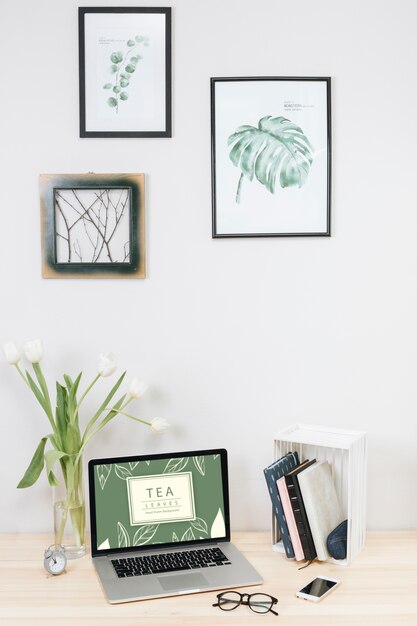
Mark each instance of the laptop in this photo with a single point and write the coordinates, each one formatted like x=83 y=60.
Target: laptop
x=160 y=526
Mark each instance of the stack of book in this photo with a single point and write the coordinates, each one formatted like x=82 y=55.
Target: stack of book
x=305 y=503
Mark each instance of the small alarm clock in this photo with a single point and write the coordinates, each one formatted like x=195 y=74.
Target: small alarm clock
x=55 y=560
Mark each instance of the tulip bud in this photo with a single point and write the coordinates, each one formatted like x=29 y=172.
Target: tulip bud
x=137 y=388
x=107 y=364
x=12 y=353
x=33 y=350
x=159 y=424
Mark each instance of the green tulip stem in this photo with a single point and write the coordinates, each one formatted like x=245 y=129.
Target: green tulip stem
x=132 y=417
x=87 y=391
x=21 y=374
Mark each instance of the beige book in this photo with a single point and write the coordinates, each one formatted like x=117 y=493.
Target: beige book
x=321 y=503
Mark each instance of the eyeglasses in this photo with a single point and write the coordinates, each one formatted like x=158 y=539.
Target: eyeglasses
x=258 y=602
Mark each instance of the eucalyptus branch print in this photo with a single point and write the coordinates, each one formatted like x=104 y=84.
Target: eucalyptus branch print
x=276 y=149
x=92 y=225
x=123 y=66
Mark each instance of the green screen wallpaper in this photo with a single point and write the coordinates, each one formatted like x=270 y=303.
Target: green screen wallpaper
x=158 y=501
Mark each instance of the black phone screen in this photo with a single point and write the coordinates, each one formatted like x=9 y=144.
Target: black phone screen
x=318 y=587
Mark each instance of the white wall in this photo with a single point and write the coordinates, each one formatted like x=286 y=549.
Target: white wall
x=239 y=338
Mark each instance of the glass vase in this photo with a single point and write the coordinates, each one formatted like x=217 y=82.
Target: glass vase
x=69 y=509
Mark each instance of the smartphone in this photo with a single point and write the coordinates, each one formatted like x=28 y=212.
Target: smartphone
x=318 y=589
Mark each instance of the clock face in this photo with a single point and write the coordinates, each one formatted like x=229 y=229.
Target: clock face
x=56 y=563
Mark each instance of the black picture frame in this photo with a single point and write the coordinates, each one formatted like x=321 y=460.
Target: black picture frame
x=94 y=120
x=309 y=100
x=90 y=250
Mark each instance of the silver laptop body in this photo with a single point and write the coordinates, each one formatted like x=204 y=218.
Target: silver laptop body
x=147 y=512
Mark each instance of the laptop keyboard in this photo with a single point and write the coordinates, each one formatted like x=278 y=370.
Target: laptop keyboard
x=169 y=562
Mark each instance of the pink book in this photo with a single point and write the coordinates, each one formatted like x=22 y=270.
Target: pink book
x=289 y=516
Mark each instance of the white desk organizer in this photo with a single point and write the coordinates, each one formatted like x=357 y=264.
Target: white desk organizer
x=345 y=450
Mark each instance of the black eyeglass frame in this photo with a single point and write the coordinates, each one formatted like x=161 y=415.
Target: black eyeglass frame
x=248 y=596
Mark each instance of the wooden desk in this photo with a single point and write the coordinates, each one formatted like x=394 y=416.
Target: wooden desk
x=379 y=588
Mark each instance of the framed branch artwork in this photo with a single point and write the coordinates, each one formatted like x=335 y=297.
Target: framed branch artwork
x=271 y=157
x=93 y=225
x=125 y=71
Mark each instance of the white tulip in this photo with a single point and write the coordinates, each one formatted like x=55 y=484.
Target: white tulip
x=159 y=424
x=107 y=364
x=33 y=350
x=12 y=353
x=137 y=388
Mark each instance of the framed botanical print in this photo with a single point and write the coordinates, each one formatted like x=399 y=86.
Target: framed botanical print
x=271 y=156
x=93 y=225
x=125 y=71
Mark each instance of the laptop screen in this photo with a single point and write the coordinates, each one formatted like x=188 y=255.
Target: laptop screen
x=167 y=499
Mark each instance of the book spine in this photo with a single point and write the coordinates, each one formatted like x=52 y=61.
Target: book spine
x=289 y=515
x=270 y=477
x=300 y=517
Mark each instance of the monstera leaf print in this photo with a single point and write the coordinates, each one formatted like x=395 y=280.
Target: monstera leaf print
x=277 y=149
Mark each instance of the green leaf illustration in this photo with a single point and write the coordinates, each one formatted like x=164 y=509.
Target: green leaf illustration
x=116 y=57
x=175 y=536
x=130 y=68
x=215 y=456
x=139 y=38
x=188 y=535
x=103 y=472
x=123 y=540
x=116 y=89
x=278 y=148
x=144 y=534
x=124 y=95
x=133 y=465
x=35 y=466
x=122 y=472
x=200 y=464
x=175 y=465
x=113 y=69
x=123 y=82
x=107 y=86
x=130 y=43
x=147 y=462
x=112 y=102
x=200 y=525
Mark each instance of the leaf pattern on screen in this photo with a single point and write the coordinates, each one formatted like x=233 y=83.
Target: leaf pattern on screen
x=200 y=525
x=114 y=527
x=103 y=472
x=218 y=528
x=122 y=472
x=144 y=534
x=175 y=465
x=122 y=536
x=200 y=464
x=188 y=535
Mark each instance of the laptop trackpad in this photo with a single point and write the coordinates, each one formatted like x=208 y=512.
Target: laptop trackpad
x=181 y=582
